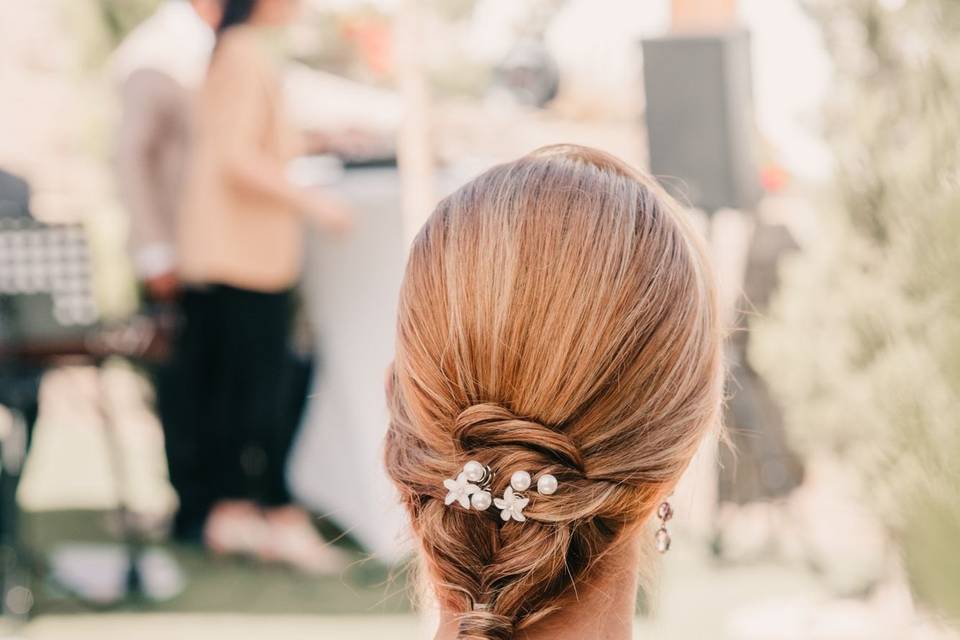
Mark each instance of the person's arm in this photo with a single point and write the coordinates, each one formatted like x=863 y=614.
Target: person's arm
x=147 y=96
x=238 y=88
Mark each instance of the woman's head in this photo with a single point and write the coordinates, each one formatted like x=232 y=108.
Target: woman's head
x=263 y=12
x=557 y=316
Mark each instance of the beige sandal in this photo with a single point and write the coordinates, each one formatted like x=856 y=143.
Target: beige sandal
x=236 y=528
x=294 y=541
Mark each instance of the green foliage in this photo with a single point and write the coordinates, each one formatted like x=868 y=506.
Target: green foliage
x=121 y=16
x=100 y=25
x=452 y=10
x=863 y=342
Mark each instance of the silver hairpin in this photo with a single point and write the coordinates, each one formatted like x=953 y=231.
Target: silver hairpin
x=512 y=503
x=471 y=488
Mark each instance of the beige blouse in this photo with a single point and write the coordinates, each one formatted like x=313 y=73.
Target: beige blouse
x=238 y=224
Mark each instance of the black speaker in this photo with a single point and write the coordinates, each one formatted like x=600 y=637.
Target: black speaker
x=699 y=116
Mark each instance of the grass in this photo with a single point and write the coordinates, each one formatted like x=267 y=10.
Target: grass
x=217 y=584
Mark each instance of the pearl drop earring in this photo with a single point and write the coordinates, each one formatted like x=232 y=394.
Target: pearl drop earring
x=662 y=537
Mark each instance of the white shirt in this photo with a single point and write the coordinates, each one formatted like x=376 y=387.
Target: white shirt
x=174 y=40
x=176 y=43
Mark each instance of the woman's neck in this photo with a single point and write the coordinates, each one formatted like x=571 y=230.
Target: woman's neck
x=601 y=610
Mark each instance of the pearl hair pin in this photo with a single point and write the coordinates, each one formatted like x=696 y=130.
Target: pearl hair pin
x=520 y=480
x=480 y=474
x=547 y=484
x=471 y=489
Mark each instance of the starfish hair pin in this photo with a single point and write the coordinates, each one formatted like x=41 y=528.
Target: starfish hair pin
x=511 y=505
x=471 y=490
x=459 y=490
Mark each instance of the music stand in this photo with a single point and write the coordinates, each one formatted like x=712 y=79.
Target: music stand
x=48 y=318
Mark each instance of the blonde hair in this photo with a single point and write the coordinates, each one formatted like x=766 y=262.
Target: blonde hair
x=557 y=316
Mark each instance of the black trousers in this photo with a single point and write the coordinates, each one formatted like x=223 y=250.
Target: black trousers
x=229 y=400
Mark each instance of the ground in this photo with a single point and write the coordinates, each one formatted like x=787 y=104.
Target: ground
x=68 y=491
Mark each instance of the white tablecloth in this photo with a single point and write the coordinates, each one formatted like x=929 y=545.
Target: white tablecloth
x=351 y=286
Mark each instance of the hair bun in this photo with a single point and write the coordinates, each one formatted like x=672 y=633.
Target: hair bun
x=557 y=316
x=486 y=426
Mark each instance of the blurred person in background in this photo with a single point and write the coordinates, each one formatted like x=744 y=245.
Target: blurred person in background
x=531 y=454
x=240 y=238
x=159 y=69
